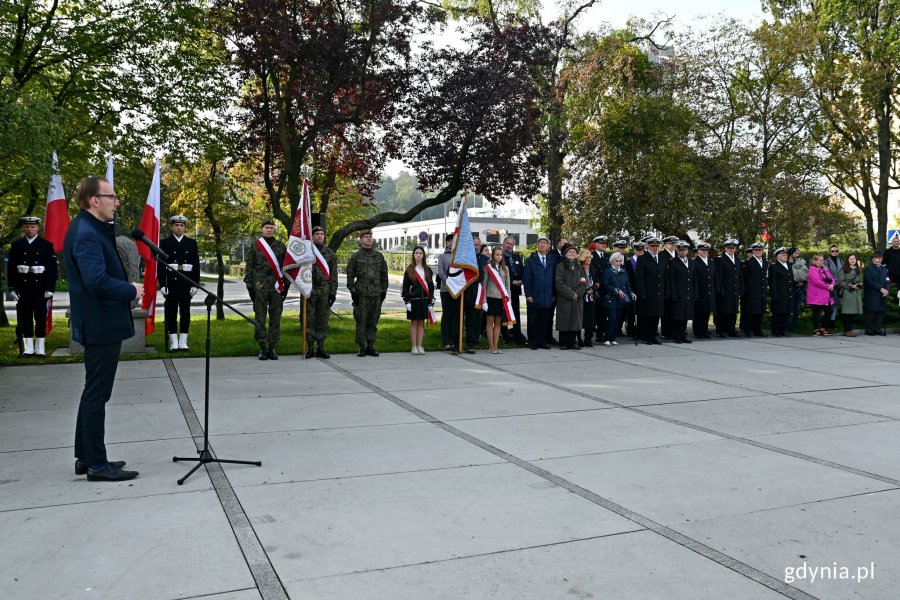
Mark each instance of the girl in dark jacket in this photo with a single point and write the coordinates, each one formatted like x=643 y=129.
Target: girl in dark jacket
x=418 y=294
x=618 y=295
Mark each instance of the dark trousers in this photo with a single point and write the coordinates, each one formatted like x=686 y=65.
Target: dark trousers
x=647 y=326
x=799 y=299
x=666 y=325
x=725 y=323
x=678 y=329
x=178 y=314
x=514 y=333
x=600 y=321
x=449 y=319
x=780 y=323
x=540 y=320
x=473 y=318
x=874 y=321
x=629 y=318
x=751 y=324
x=100 y=364
x=587 y=317
x=849 y=321
x=32 y=318
x=817 y=310
x=613 y=315
x=701 y=324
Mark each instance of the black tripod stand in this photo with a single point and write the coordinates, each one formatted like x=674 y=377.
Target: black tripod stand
x=205 y=456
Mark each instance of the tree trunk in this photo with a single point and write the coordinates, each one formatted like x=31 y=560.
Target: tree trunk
x=884 y=168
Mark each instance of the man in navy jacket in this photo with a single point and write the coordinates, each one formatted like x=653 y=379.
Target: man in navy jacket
x=100 y=297
x=539 y=273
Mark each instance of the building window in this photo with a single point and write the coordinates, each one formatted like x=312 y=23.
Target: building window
x=531 y=239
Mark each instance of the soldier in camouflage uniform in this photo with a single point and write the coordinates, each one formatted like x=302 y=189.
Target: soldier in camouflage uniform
x=324 y=293
x=367 y=280
x=262 y=288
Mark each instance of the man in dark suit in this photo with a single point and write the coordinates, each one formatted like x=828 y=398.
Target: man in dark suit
x=650 y=289
x=667 y=253
x=753 y=302
x=729 y=289
x=680 y=293
x=538 y=278
x=781 y=289
x=100 y=297
x=705 y=299
x=32 y=274
x=183 y=257
x=631 y=270
x=599 y=265
x=515 y=264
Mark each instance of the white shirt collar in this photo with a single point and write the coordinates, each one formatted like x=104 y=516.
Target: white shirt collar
x=178 y=237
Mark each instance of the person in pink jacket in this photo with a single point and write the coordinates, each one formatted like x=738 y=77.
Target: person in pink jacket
x=818 y=292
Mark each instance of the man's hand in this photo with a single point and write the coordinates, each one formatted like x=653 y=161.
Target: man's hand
x=15 y=295
x=192 y=291
x=529 y=299
x=138 y=291
x=165 y=292
x=48 y=294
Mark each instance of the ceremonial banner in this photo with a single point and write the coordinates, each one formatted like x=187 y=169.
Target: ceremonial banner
x=301 y=252
x=56 y=222
x=464 y=259
x=150 y=227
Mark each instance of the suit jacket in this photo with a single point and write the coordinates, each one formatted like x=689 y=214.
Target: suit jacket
x=180 y=253
x=516 y=266
x=539 y=280
x=729 y=284
x=39 y=253
x=650 y=286
x=680 y=289
x=99 y=291
x=705 y=285
x=781 y=288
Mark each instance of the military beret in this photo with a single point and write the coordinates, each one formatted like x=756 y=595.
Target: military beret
x=318 y=228
x=268 y=222
x=670 y=240
x=781 y=250
x=703 y=246
x=365 y=232
x=682 y=244
x=620 y=244
x=29 y=220
x=601 y=239
x=178 y=219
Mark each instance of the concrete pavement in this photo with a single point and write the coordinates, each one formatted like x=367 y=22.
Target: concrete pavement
x=724 y=469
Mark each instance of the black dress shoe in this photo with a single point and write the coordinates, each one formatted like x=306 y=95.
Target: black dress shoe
x=470 y=350
x=655 y=341
x=677 y=340
x=589 y=344
x=81 y=468
x=544 y=346
x=110 y=473
x=684 y=340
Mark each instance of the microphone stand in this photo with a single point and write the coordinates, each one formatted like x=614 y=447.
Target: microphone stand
x=205 y=454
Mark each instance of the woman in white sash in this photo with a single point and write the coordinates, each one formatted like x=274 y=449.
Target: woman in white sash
x=418 y=294
x=497 y=293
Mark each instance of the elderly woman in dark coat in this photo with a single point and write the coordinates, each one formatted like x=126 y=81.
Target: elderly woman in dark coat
x=571 y=284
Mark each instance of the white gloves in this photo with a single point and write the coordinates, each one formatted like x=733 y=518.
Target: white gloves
x=409 y=307
x=484 y=307
x=22 y=268
x=165 y=292
x=48 y=294
x=193 y=291
x=15 y=296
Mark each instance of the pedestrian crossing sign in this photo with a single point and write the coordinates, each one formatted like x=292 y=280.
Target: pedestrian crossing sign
x=893 y=233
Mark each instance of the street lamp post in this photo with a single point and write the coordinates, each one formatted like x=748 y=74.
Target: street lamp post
x=404 y=245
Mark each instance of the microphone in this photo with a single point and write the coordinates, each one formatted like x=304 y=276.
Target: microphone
x=139 y=236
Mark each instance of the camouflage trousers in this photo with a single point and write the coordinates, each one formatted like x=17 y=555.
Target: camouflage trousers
x=317 y=313
x=366 y=313
x=272 y=303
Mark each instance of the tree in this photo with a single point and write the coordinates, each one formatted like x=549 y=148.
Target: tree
x=851 y=58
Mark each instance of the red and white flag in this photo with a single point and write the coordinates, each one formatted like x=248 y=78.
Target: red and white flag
x=150 y=227
x=109 y=171
x=56 y=222
x=301 y=252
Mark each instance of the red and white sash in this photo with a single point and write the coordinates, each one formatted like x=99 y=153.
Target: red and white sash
x=507 y=300
x=323 y=264
x=422 y=283
x=480 y=297
x=264 y=247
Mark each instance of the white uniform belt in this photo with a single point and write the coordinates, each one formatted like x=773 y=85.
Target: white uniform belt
x=30 y=269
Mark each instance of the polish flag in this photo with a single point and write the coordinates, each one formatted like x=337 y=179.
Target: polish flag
x=109 y=170
x=150 y=227
x=57 y=219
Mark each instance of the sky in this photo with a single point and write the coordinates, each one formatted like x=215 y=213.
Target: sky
x=686 y=13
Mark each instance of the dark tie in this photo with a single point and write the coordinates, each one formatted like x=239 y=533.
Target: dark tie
x=543 y=264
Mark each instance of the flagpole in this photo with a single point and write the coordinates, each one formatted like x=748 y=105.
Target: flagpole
x=304 y=327
x=461 y=316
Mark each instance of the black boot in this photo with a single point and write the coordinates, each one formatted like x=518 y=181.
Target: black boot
x=310 y=349
x=263 y=352
x=321 y=351
x=362 y=351
x=271 y=354
x=371 y=351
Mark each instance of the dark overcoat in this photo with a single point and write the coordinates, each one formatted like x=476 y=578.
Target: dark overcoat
x=729 y=285
x=753 y=302
x=680 y=289
x=650 y=285
x=781 y=288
